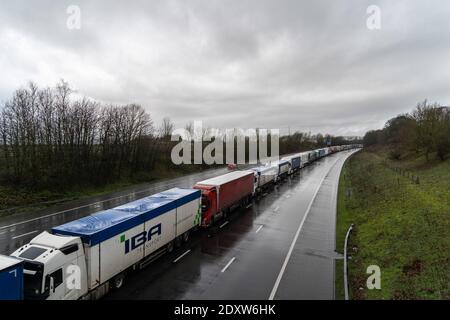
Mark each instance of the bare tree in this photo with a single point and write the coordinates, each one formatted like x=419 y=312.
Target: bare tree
x=166 y=129
x=50 y=139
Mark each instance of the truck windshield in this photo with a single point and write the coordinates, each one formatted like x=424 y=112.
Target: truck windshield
x=205 y=203
x=32 y=278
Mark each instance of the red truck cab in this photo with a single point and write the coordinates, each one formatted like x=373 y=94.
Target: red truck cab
x=209 y=203
x=222 y=193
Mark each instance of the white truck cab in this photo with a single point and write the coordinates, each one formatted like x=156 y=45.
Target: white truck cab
x=54 y=267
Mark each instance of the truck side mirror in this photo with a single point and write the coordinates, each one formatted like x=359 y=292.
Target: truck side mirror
x=52 y=284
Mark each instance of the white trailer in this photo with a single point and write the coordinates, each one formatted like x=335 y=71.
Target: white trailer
x=294 y=162
x=103 y=247
x=264 y=177
x=282 y=167
x=304 y=158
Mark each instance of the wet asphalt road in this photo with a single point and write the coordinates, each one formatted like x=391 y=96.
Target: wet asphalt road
x=310 y=273
x=281 y=247
x=18 y=229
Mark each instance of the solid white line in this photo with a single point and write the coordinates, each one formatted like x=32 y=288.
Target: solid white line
x=223 y=224
x=260 y=227
x=25 y=234
x=228 y=264
x=288 y=256
x=176 y=260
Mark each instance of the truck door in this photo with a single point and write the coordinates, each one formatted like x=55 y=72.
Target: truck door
x=54 y=284
x=209 y=206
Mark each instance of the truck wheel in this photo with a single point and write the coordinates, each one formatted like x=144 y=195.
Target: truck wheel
x=186 y=236
x=170 y=247
x=178 y=241
x=117 y=282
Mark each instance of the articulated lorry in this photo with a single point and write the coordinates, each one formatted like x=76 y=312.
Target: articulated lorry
x=265 y=177
x=282 y=167
x=221 y=194
x=85 y=258
x=294 y=163
x=304 y=158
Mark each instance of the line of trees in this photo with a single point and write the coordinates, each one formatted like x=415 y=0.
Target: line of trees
x=302 y=141
x=52 y=139
x=426 y=130
x=48 y=139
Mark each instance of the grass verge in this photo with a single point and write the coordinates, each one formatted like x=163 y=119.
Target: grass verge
x=400 y=225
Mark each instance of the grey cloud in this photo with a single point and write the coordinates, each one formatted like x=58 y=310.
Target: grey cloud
x=311 y=66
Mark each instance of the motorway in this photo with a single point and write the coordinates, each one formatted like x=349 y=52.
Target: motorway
x=18 y=229
x=280 y=247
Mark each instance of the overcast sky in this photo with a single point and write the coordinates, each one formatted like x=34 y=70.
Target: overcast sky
x=309 y=65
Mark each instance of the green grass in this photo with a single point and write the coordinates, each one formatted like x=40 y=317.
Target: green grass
x=401 y=226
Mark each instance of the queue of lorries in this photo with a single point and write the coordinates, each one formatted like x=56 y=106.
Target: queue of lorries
x=85 y=258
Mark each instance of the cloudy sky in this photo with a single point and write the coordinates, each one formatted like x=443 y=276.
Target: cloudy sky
x=308 y=65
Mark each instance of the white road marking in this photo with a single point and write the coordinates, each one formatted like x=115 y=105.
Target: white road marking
x=25 y=234
x=288 y=256
x=228 y=264
x=260 y=227
x=276 y=209
x=177 y=259
x=248 y=206
x=223 y=224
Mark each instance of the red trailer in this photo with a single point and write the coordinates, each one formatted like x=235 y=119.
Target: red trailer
x=222 y=193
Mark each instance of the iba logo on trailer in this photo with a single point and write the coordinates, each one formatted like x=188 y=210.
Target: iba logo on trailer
x=141 y=238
